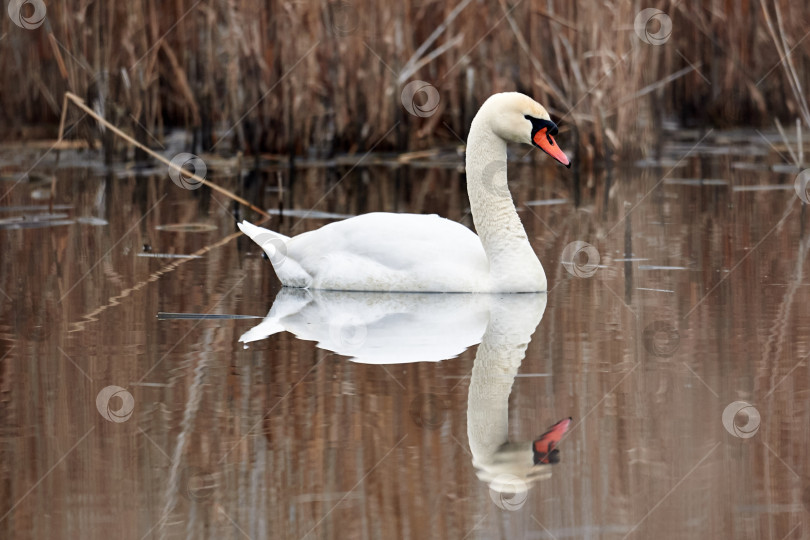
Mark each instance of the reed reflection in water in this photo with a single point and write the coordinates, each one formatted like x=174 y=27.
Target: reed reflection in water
x=695 y=304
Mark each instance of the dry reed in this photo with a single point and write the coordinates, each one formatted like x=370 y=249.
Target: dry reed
x=317 y=78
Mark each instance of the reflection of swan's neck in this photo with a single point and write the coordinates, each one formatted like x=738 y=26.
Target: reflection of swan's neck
x=496 y=365
x=512 y=322
x=511 y=258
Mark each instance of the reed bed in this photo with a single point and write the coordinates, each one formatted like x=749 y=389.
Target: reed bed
x=320 y=78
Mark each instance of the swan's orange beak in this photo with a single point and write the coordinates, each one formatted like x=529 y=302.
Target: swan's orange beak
x=545 y=448
x=547 y=143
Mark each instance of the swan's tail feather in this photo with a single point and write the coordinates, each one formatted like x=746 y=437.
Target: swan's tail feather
x=263 y=330
x=271 y=242
x=274 y=245
x=288 y=303
x=253 y=231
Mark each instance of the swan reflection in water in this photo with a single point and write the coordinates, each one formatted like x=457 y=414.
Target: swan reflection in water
x=392 y=328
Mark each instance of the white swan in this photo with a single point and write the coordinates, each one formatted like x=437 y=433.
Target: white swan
x=376 y=327
x=507 y=466
x=395 y=328
x=427 y=253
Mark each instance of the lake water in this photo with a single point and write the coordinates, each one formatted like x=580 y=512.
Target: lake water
x=686 y=298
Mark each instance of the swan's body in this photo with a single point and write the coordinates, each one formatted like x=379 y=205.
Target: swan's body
x=383 y=252
x=409 y=252
x=396 y=328
x=379 y=328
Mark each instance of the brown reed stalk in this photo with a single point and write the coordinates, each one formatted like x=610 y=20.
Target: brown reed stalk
x=319 y=78
x=76 y=100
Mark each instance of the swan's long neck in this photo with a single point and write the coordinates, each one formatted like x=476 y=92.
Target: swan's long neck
x=496 y=365
x=513 y=320
x=513 y=265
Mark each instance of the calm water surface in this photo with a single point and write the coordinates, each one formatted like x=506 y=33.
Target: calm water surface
x=394 y=426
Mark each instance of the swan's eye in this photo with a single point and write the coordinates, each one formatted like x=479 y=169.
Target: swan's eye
x=540 y=123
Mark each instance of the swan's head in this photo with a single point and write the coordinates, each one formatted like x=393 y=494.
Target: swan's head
x=545 y=447
x=519 y=465
x=516 y=117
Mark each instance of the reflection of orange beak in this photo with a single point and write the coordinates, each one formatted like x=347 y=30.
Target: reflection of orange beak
x=545 y=447
x=547 y=143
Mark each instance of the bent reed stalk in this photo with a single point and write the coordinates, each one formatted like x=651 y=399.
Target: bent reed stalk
x=318 y=78
x=73 y=98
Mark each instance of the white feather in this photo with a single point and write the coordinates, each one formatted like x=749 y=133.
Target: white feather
x=420 y=253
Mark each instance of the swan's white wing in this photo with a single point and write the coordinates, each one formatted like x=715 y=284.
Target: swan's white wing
x=380 y=328
x=384 y=251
